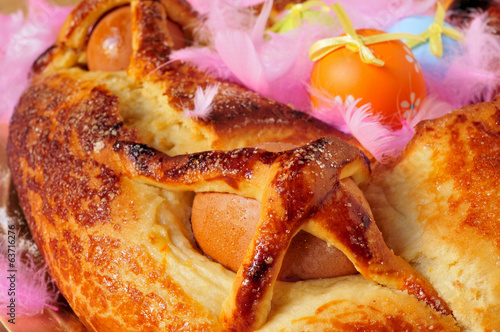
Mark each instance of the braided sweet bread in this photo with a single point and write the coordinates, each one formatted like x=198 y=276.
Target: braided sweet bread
x=106 y=166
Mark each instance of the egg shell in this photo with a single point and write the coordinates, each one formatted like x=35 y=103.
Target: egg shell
x=394 y=90
x=110 y=43
x=428 y=61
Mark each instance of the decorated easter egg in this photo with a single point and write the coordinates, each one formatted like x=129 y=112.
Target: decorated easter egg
x=394 y=90
x=429 y=62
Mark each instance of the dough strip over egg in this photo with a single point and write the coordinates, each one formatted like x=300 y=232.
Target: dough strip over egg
x=298 y=189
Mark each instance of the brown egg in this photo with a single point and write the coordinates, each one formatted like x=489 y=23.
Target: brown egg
x=224 y=225
x=178 y=37
x=110 y=43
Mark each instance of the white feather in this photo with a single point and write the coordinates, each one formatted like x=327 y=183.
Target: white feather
x=203 y=100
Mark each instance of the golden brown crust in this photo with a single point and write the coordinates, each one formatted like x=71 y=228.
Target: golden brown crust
x=81 y=213
x=236 y=112
x=152 y=41
x=180 y=12
x=452 y=167
x=224 y=225
x=108 y=211
x=232 y=109
x=77 y=207
x=82 y=18
x=293 y=193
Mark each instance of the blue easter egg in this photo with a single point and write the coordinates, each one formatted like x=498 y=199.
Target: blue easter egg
x=428 y=62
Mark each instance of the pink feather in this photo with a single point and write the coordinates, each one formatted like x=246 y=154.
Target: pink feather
x=222 y=16
x=203 y=99
x=204 y=7
x=238 y=47
x=257 y=33
x=24 y=41
x=34 y=289
x=277 y=67
x=361 y=122
x=239 y=54
x=473 y=75
x=432 y=108
x=204 y=59
x=288 y=65
x=381 y=14
x=228 y=15
x=9 y=24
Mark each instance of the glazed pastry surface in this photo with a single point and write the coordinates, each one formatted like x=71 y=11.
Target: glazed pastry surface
x=106 y=165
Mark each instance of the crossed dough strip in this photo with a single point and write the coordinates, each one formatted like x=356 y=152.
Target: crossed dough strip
x=151 y=51
x=298 y=188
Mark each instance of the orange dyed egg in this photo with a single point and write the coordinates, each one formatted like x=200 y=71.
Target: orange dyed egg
x=395 y=90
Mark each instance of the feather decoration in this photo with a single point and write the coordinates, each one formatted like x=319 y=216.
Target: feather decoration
x=224 y=23
x=202 y=102
x=361 y=122
x=274 y=65
x=9 y=24
x=34 y=289
x=277 y=65
x=221 y=15
x=204 y=59
x=246 y=66
x=203 y=7
x=432 y=108
x=24 y=40
x=380 y=14
x=358 y=121
x=239 y=48
x=473 y=75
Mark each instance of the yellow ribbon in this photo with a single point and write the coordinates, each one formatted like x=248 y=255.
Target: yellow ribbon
x=354 y=42
x=434 y=33
x=295 y=16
